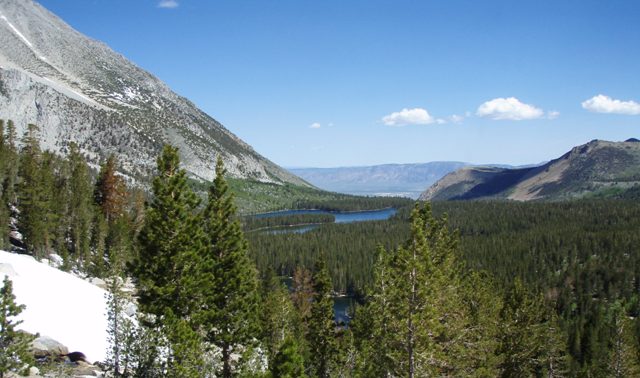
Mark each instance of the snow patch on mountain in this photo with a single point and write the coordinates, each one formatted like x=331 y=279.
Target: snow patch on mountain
x=78 y=89
x=15 y=30
x=58 y=304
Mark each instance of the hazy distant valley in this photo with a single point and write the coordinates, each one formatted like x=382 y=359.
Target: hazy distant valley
x=405 y=180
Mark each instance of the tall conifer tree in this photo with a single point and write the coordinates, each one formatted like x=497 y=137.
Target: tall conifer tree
x=322 y=334
x=166 y=266
x=11 y=165
x=4 y=210
x=80 y=206
x=416 y=321
x=230 y=313
x=14 y=345
x=32 y=199
x=278 y=316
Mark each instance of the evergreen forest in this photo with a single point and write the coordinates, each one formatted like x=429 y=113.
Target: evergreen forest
x=456 y=289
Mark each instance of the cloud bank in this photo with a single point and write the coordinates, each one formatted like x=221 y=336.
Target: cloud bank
x=415 y=116
x=508 y=109
x=606 y=104
x=168 y=4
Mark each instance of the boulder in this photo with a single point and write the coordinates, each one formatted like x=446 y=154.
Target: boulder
x=98 y=282
x=44 y=346
x=34 y=371
x=84 y=369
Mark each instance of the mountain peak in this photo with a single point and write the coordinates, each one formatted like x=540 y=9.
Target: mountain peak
x=592 y=168
x=78 y=89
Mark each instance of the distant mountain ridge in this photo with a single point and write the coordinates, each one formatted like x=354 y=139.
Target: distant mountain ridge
x=597 y=168
x=388 y=179
x=78 y=89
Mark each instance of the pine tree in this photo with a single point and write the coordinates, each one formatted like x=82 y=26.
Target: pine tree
x=80 y=205
x=302 y=295
x=288 y=362
x=110 y=192
x=230 y=313
x=370 y=325
x=523 y=337
x=14 y=345
x=99 y=233
x=55 y=198
x=478 y=355
x=166 y=241
x=278 y=316
x=623 y=359
x=11 y=165
x=4 y=210
x=186 y=358
x=322 y=337
x=33 y=202
x=119 y=328
x=166 y=268
x=417 y=317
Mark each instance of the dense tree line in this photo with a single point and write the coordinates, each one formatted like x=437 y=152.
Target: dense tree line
x=60 y=206
x=490 y=289
x=582 y=257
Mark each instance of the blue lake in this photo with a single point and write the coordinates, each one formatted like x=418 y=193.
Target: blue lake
x=341 y=216
x=341 y=308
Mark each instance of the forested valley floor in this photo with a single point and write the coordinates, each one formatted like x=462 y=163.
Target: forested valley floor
x=444 y=289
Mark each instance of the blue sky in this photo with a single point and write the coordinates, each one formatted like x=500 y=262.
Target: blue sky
x=346 y=83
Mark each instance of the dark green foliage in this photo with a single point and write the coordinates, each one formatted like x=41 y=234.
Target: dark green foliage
x=278 y=317
x=166 y=245
x=288 y=362
x=520 y=316
x=186 y=358
x=34 y=195
x=166 y=269
x=10 y=157
x=122 y=331
x=14 y=345
x=4 y=209
x=624 y=356
x=419 y=319
x=322 y=334
x=229 y=316
x=256 y=197
x=352 y=248
x=579 y=255
x=80 y=206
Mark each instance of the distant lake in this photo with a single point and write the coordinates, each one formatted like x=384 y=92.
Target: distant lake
x=341 y=216
x=341 y=307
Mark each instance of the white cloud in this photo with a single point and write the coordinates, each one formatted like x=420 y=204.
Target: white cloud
x=606 y=104
x=315 y=125
x=509 y=109
x=416 y=116
x=456 y=118
x=553 y=114
x=169 y=4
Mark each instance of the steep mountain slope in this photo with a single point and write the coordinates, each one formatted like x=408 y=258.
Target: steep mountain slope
x=598 y=168
x=391 y=179
x=78 y=89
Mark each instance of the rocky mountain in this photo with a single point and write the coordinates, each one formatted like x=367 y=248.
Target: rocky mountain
x=78 y=89
x=598 y=168
x=407 y=180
